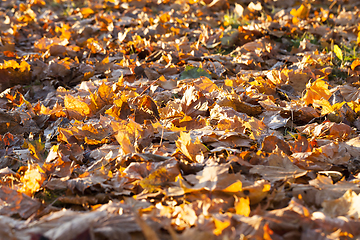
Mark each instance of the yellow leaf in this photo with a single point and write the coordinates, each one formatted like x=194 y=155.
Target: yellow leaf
x=242 y=206
x=64 y=30
x=159 y=178
x=220 y=226
x=295 y=20
x=9 y=64
x=354 y=106
x=338 y=52
x=205 y=84
x=326 y=107
x=302 y=12
x=164 y=18
x=229 y=82
x=235 y=187
x=185 y=119
x=316 y=91
x=120 y=110
x=125 y=142
x=257 y=128
x=24 y=66
x=32 y=180
x=90 y=141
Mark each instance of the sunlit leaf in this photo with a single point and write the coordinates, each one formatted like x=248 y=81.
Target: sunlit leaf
x=338 y=52
x=302 y=12
x=78 y=106
x=235 y=187
x=86 y=12
x=194 y=150
x=103 y=96
x=242 y=206
x=316 y=91
x=220 y=226
x=355 y=63
x=32 y=180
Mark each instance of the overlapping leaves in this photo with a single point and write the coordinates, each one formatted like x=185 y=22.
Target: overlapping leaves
x=179 y=119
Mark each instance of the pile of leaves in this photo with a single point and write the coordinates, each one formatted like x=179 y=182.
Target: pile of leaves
x=183 y=119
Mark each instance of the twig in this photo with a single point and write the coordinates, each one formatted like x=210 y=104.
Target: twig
x=149 y=86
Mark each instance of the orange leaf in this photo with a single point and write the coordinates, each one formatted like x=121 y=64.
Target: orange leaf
x=102 y=97
x=147 y=110
x=121 y=110
x=86 y=12
x=205 y=84
x=267 y=232
x=126 y=144
x=7 y=139
x=355 y=63
x=77 y=105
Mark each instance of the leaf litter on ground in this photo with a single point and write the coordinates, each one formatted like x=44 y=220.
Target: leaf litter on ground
x=183 y=119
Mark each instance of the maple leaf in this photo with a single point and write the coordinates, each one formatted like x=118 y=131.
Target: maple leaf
x=162 y=176
x=77 y=108
x=102 y=97
x=147 y=110
x=316 y=91
x=18 y=203
x=194 y=103
x=121 y=109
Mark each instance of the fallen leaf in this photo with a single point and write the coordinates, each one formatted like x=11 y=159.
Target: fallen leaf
x=194 y=150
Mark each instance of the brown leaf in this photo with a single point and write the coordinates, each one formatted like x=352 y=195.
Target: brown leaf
x=270 y=143
x=120 y=110
x=194 y=103
x=346 y=205
x=278 y=167
x=146 y=110
x=17 y=203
